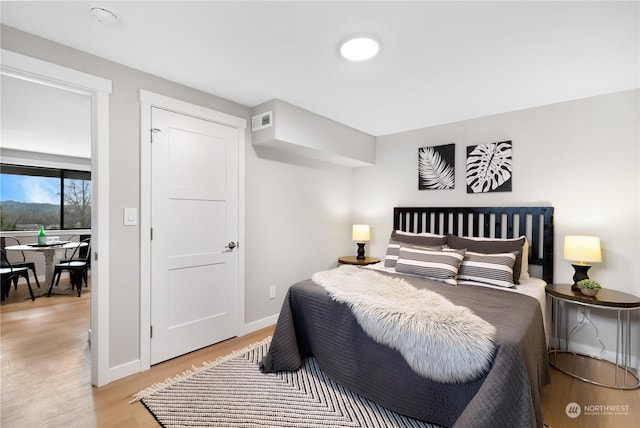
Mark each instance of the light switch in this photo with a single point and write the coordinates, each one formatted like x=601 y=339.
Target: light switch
x=130 y=216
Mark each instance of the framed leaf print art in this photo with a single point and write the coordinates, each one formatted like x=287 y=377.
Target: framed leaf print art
x=436 y=169
x=489 y=168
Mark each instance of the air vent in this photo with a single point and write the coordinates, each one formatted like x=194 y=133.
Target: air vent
x=261 y=121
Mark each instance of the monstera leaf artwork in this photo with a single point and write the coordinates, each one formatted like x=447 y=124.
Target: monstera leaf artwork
x=435 y=167
x=489 y=168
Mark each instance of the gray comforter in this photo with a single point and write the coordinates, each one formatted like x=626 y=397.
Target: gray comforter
x=509 y=395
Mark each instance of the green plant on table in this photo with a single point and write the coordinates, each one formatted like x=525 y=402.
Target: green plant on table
x=589 y=284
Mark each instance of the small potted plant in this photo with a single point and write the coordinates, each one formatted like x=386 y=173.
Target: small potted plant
x=589 y=287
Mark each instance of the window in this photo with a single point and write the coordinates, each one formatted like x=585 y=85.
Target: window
x=57 y=199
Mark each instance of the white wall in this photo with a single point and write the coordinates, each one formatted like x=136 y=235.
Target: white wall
x=298 y=214
x=580 y=157
x=300 y=131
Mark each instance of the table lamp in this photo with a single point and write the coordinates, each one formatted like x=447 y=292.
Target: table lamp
x=581 y=250
x=360 y=234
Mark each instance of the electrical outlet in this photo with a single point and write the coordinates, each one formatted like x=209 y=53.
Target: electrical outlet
x=272 y=292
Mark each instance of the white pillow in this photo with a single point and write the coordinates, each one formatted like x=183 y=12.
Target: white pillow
x=433 y=235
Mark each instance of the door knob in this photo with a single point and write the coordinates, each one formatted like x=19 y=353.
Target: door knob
x=231 y=245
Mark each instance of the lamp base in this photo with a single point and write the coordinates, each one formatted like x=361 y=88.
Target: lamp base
x=579 y=275
x=360 y=251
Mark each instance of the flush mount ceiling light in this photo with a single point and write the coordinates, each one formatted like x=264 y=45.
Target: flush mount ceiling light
x=360 y=48
x=104 y=15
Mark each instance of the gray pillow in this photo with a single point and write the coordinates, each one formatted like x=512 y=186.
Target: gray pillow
x=417 y=239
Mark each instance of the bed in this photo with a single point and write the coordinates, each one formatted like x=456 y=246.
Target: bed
x=508 y=393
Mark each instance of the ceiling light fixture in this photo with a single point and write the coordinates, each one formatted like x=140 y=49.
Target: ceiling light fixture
x=104 y=15
x=360 y=48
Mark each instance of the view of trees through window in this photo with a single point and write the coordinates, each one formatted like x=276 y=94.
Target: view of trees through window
x=54 y=198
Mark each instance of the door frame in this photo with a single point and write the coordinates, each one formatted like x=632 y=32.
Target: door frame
x=148 y=100
x=98 y=89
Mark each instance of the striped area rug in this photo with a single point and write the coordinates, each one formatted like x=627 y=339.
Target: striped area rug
x=232 y=392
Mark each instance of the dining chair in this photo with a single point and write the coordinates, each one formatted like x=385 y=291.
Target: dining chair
x=77 y=266
x=81 y=254
x=12 y=240
x=8 y=273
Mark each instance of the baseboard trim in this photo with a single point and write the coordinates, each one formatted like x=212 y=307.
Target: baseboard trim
x=124 y=370
x=259 y=324
x=608 y=354
x=133 y=367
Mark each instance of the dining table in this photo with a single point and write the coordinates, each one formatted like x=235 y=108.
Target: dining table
x=49 y=251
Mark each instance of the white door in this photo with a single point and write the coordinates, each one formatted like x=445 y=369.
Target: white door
x=194 y=220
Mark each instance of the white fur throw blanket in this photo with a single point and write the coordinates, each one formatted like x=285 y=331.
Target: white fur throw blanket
x=439 y=340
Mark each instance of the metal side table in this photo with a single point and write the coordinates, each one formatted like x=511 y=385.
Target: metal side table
x=623 y=304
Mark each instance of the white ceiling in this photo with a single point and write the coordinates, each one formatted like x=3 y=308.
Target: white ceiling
x=439 y=61
x=40 y=118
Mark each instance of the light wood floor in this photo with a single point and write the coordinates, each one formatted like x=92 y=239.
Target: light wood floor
x=45 y=375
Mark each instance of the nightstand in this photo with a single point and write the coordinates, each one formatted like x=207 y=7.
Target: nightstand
x=353 y=260
x=567 y=361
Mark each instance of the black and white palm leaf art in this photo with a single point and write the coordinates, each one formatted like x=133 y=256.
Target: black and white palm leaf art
x=434 y=172
x=489 y=167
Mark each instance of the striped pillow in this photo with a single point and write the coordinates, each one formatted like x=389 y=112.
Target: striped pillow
x=439 y=265
x=492 y=246
x=494 y=269
x=393 y=250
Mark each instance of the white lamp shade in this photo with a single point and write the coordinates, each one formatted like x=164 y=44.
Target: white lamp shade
x=360 y=232
x=582 y=249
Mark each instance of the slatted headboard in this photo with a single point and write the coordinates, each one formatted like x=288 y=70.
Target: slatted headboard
x=491 y=222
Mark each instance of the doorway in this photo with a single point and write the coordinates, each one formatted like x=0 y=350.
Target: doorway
x=98 y=89
x=215 y=258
